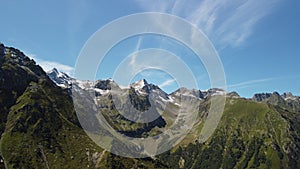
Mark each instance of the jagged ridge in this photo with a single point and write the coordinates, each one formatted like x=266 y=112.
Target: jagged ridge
x=41 y=129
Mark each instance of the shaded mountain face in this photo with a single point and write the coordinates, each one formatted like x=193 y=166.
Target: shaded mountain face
x=40 y=129
x=16 y=72
x=37 y=117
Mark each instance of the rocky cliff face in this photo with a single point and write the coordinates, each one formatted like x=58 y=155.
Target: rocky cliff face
x=286 y=100
x=261 y=97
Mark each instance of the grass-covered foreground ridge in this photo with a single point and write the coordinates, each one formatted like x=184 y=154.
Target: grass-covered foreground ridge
x=250 y=135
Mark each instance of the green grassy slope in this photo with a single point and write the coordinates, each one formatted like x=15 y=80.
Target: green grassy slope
x=250 y=135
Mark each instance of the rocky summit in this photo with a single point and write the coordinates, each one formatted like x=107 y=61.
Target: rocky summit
x=40 y=128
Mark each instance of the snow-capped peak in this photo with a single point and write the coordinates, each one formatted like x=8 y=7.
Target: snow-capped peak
x=290 y=96
x=188 y=93
x=143 y=87
x=55 y=72
x=60 y=78
x=139 y=84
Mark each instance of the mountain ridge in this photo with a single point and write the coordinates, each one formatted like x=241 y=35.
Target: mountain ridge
x=40 y=128
x=138 y=86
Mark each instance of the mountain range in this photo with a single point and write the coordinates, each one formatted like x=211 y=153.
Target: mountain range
x=40 y=127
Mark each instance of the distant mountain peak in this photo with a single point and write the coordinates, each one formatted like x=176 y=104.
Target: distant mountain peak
x=60 y=78
x=290 y=96
x=259 y=97
x=104 y=84
x=54 y=71
x=183 y=91
x=139 y=84
x=233 y=95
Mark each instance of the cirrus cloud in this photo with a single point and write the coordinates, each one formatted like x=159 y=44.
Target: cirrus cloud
x=225 y=22
x=49 y=65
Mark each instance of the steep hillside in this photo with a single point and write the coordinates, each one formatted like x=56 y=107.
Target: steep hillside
x=40 y=126
x=37 y=118
x=250 y=135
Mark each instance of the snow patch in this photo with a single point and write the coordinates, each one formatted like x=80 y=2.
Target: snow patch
x=291 y=98
x=102 y=92
x=139 y=84
x=219 y=93
x=85 y=84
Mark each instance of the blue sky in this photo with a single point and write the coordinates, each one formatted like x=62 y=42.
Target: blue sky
x=257 y=41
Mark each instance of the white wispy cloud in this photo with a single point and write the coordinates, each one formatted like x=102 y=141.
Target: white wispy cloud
x=166 y=83
x=226 y=22
x=249 y=83
x=137 y=48
x=49 y=65
x=241 y=23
